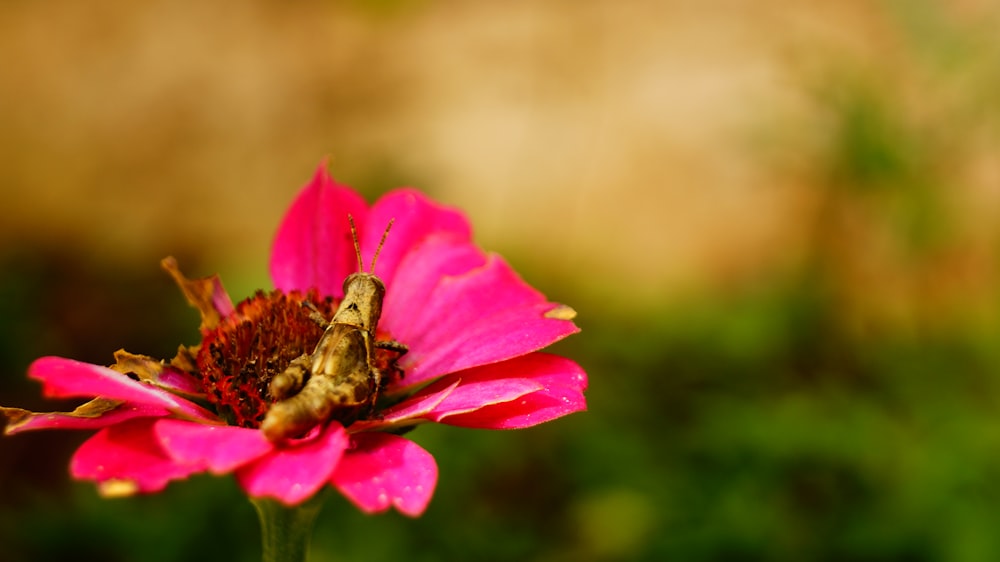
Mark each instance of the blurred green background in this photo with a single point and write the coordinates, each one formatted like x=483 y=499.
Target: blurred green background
x=777 y=220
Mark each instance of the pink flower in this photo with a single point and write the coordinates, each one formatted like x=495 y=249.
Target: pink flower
x=472 y=326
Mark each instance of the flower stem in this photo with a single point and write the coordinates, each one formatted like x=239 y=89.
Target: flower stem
x=286 y=530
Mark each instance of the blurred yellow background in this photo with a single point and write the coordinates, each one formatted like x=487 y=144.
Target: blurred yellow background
x=778 y=220
x=672 y=143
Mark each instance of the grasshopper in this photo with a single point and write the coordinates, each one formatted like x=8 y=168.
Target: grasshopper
x=339 y=379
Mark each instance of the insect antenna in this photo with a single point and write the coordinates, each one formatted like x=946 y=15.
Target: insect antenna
x=379 y=249
x=357 y=246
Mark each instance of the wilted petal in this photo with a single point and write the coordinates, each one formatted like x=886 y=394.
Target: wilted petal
x=295 y=472
x=206 y=294
x=66 y=378
x=95 y=414
x=521 y=392
x=217 y=448
x=416 y=218
x=127 y=458
x=150 y=370
x=385 y=470
x=478 y=317
x=313 y=246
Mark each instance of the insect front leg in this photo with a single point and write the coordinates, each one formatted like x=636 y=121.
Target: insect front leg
x=315 y=315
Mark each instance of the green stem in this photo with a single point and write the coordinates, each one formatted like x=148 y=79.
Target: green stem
x=286 y=530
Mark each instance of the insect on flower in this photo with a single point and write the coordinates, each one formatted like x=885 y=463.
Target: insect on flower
x=340 y=377
x=297 y=388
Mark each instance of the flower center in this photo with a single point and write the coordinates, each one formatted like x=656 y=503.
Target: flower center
x=240 y=356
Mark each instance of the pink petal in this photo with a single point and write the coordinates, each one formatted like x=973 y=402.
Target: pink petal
x=520 y=392
x=23 y=420
x=529 y=411
x=180 y=381
x=478 y=317
x=422 y=271
x=65 y=378
x=220 y=298
x=313 y=246
x=294 y=473
x=386 y=470
x=218 y=448
x=127 y=458
x=416 y=218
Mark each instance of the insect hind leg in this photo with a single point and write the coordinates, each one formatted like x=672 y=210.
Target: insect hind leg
x=292 y=379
